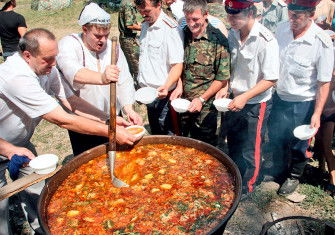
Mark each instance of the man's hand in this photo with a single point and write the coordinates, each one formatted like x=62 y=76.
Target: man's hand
x=124 y=137
x=315 y=121
x=222 y=93
x=134 y=117
x=238 y=103
x=111 y=74
x=162 y=92
x=195 y=106
x=20 y=151
x=122 y=122
x=178 y=91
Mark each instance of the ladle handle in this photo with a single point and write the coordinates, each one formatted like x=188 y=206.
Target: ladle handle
x=112 y=92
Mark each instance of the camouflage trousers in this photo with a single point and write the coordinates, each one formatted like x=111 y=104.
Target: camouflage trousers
x=201 y=126
x=131 y=50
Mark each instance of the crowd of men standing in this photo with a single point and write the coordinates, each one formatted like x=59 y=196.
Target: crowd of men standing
x=276 y=69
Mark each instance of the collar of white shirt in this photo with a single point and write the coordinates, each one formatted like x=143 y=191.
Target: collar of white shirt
x=159 y=22
x=253 y=33
x=309 y=35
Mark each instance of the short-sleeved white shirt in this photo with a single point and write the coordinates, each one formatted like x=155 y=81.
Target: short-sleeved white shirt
x=161 y=46
x=303 y=62
x=70 y=60
x=255 y=60
x=25 y=97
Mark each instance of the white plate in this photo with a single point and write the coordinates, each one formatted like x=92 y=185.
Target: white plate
x=140 y=134
x=44 y=164
x=304 y=132
x=180 y=105
x=222 y=104
x=333 y=96
x=146 y=95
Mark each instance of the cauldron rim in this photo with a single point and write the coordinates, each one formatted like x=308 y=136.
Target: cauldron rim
x=51 y=186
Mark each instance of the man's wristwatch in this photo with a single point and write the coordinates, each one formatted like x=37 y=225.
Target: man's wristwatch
x=202 y=100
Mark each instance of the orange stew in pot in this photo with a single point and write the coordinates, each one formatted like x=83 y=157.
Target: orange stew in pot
x=173 y=190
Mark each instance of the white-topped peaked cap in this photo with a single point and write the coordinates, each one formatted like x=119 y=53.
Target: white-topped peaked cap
x=94 y=14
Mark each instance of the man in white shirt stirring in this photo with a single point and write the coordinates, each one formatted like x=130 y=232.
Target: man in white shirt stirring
x=306 y=65
x=161 y=61
x=28 y=80
x=84 y=59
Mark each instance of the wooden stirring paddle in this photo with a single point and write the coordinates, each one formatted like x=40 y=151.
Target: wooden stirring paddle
x=112 y=124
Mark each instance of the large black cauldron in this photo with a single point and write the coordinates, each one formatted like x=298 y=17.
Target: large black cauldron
x=52 y=185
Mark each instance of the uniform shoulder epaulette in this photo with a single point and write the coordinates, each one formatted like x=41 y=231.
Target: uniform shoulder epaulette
x=266 y=34
x=282 y=3
x=325 y=39
x=170 y=22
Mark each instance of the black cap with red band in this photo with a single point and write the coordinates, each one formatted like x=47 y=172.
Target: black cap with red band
x=302 y=5
x=235 y=6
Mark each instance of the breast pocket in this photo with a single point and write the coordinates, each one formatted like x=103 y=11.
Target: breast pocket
x=300 y=69
x=248 y=59
x=203 y=65
x=154 y=49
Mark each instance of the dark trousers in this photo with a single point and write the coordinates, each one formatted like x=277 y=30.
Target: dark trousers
x=201 y=125
x=288 y=153
x=159 y=117
x=245 y=134
x=81 y=142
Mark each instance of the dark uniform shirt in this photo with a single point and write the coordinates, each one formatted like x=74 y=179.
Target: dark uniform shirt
x=127 y=17
x=205 y=59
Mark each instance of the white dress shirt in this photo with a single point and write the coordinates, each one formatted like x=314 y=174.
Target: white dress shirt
x=161 y=46
x=303 y=62
x=70 y=61
x=25 y=98
x=255 y=60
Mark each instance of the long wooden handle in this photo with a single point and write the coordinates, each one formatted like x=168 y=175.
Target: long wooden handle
x=23 y=183
x=112 y=92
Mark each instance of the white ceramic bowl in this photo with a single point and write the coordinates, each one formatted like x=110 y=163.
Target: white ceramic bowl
x=146 y=95
x=180 y=105
x=304 y=132
x=44 y=164
x=222 y=104
x=136 y=130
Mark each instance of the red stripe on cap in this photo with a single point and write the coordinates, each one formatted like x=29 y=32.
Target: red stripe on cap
x=304 y=3
x=258 y=143
x=237 y=5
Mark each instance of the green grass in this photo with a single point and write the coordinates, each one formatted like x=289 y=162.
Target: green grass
x=263 y=199
x=318 y=200
x=60 y=22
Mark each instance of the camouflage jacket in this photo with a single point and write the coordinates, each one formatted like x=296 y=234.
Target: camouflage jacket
x=205 y=59
x=167 y=10
x=218 y=10
x=127 y=17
